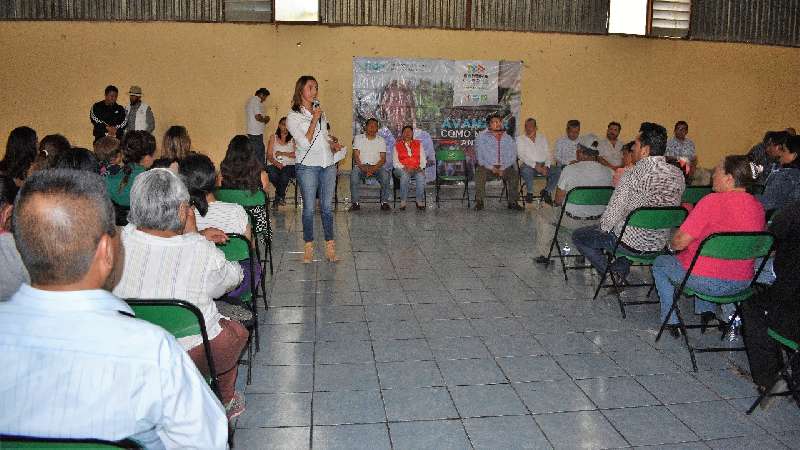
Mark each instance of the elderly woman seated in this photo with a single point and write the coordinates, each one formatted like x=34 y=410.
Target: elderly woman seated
x=167 y=258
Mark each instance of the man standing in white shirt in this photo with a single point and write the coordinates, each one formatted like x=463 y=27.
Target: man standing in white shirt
x=533 y=156
x=256 y=121
x=83 y=367
x=369 y=157
x=611 y=147
x=565 y=153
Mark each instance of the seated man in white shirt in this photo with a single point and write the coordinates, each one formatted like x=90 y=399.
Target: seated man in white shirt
x=682 y=148
x=533 y=156
x=77 y=364
x=369 y=157
x=587 y=171
x=611 y=147
x=564 y=152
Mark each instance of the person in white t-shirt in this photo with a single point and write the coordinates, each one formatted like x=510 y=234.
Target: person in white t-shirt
x=611 y=147
x=369 y=157
x=565 y=153
x=280 y=161
x=533 y=155
x=256 y=121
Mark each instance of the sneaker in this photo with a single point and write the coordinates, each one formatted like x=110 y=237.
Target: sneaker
x=774 y=394
x=528 y=198
x=515 y=207
x=478 y=206
x=235 y=407
x=355 y=207
x=385 y=207
x=541 y=259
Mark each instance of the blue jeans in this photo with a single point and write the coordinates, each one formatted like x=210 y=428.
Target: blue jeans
x=668 y=270
x=311 y=178
x=356 y=176
x=405 y=176
x=591 y=241
x=258 y=145
x=280 y=179
x=528 y=173
x=552 y=178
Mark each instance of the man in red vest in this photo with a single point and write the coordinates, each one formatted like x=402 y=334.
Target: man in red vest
x=409 y=161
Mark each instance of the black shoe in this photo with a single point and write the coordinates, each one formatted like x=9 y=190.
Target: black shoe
x=478 y=206
x=355 y=207
x=674 y=331
x=707 y=317
x=515 y=207
x=528 y=198
x=542 y=260
x=546 y=198
x=385 y=207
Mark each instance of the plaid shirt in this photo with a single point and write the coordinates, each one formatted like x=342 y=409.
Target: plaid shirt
x=651 y=182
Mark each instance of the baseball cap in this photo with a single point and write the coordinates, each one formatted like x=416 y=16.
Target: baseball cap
x=135 y=90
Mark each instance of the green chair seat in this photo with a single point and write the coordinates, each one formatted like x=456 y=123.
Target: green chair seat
x=723 y=299
x=644 y=258
x=452 y=178
x=32 y=443
x=241 y=197
x=783 y=340
x=693 y=194
x=451 y=154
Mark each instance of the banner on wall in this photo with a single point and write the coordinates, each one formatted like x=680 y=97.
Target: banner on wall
x=446 y=101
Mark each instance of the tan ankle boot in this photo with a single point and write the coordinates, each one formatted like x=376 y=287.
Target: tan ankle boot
x=330 y=251
x=308 y=253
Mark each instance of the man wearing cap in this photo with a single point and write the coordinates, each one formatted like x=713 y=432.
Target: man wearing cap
x=587 y=171
x=140 y=115
x=256 y=121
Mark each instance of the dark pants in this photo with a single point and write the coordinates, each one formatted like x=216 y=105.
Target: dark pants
x=510 y=176
x=280 y=179
x=763 y=353
x=226 y=348
x=591 y=241
x=258 y=145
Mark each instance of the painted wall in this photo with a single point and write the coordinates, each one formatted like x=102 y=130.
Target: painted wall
x=200 y=75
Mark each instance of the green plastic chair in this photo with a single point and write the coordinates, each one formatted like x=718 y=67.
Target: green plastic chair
x=35 y=443
x=693 y=194
x=793 y=349
x=448 y=155
x=727 y=246
x=181 y=319
x=579 y=196
x=648 y=218
x=249 y=201
x=237 y=249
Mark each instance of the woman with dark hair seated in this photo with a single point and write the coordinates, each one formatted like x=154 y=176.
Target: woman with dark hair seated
x=77 y=159
x=50 y=147
x=138 y=148
x=728 y=209
x=13 y=273
x=280 y=161
x=20 y=153
x=241 y=170
x=783 y=185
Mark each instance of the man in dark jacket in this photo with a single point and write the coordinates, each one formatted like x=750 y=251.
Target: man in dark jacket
x=107 y=116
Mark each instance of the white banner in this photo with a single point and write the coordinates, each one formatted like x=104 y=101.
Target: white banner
x=475 y=83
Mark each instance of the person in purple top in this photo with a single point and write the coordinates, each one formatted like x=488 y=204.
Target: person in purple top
x=497 y=157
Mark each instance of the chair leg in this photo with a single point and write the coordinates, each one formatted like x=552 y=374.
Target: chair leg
x=664 y=323
x=682 y=326
x=619 y=295
x=602 y=280
x=466 y=193
x=437 y=193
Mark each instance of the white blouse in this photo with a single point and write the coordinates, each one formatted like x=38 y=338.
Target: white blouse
x=317 y=152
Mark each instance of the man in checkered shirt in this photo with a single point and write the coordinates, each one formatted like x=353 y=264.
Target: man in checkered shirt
x=652 y=181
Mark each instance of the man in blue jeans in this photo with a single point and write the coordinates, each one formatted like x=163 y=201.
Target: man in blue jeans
x=369 y=157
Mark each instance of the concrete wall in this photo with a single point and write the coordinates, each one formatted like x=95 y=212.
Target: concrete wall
x=200 y=75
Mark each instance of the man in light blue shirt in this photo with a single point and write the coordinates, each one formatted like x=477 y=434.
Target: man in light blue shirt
x=76 y=363
x=497 y=157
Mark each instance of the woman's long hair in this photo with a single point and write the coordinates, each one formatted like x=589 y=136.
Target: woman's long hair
x=20 y=153
x=200 y=176
x=278 y=131
x=297 y=98
x=176 y=144
x=135 y=146
x=241 y=169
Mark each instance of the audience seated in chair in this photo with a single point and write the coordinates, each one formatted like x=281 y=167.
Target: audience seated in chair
x=76 y=158
x=627 y=163
x=409 y=161
x=766 y=153
x=783 y=185
x=682 y=148
x=83 y=367
x=496 y=153
x=611 y=147
x=586 y=172
x=533 y=155
x=13 y=274
x=652 y=181
x=20 y=154
x=138 y=148
x=241 y=170
x=563 y=153
x=49 y=148
x=728 y=209
x=107 y=151
x=167 y=258
x=175 y=146
x=369 y=158
x=280 y=161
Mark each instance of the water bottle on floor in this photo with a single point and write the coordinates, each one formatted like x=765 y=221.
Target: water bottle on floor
x=566 y=249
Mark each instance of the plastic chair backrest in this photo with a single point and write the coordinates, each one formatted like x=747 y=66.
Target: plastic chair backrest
x=236 y=249
x=178 y=317
x=31 y=443
x=589 y=195
x=693 y=194
x=450 y=154
x=241 y=196
x=737 y=245
x=657 y=218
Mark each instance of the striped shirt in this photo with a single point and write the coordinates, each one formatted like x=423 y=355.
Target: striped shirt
x=75 y=367
x=184 y=267
x=652 y=181
x=228 y=217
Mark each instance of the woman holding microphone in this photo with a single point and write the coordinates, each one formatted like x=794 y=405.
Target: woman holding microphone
x=315 y=164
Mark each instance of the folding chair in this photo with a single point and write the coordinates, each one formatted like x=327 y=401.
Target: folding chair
x=181 y=319
x=237 y=249
x=579 y=196
x=449 y=155
x=727 y=246
x=36 y=443
x=693 y=194
x=648 y=218
x=251 y=202
x=792 y=349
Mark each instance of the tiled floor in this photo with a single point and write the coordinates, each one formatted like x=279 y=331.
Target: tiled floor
x=437 y=330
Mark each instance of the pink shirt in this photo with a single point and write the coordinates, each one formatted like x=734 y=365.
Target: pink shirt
x=716 y=213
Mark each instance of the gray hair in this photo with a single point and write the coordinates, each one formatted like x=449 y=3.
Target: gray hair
x=156 y=198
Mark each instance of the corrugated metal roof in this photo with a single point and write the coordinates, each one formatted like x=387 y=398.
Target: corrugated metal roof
x=177 y=10
x=405 y=13
x=566 y=16
x=754 y=21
